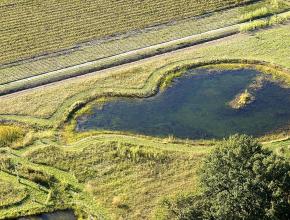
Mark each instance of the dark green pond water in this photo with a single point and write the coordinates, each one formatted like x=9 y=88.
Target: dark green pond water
x=195 y=107
x=57 y=215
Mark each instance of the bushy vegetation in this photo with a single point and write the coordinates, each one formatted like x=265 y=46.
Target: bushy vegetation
x=22 y=171
x=239 y=180
x=247 y=97
x=279 y=19
x=242 y=100
x=169 y=79
x=270 y=7
x=182 y=206
x=36 y=176
x=276 y=19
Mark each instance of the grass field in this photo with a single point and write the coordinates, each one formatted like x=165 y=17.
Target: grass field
x=57 y=25
x=116 y=45
x=45 y=165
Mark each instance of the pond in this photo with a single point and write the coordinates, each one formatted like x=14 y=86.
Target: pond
x=57 y=215
x=196 y=106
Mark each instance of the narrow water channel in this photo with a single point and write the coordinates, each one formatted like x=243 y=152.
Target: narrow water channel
x=57 y=215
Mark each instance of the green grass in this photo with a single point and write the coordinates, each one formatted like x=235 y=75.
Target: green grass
x=110 y=175
x=112 y=169
x=11 y=194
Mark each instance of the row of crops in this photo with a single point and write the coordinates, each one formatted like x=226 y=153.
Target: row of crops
x=97 y=50
x=33 y=27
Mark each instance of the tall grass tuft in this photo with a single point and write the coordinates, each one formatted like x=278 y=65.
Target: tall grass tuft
x=254 y=25
x=9 y=135
x=276 y=19
x=258 y=13
x=279 y=19
x=139 y=153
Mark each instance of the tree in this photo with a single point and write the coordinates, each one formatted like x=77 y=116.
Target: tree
x=242 y=180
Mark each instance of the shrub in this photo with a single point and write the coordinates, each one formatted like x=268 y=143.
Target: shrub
x=119 y=202
x=274 y=20
x=6 y=163
x=241 y=180
x=11 y=194
x=279 y=19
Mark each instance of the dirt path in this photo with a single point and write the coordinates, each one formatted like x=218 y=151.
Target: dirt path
x=187 y=41
x=107 y=70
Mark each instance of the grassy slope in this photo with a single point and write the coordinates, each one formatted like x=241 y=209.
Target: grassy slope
x=55 y=25
x=128 y=176
x=139 y=182
x=124 y=182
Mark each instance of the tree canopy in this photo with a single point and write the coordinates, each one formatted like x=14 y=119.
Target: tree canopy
x=239 y=180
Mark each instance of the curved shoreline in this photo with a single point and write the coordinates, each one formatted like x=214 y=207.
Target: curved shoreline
x=251 y=64
x=177 y=73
